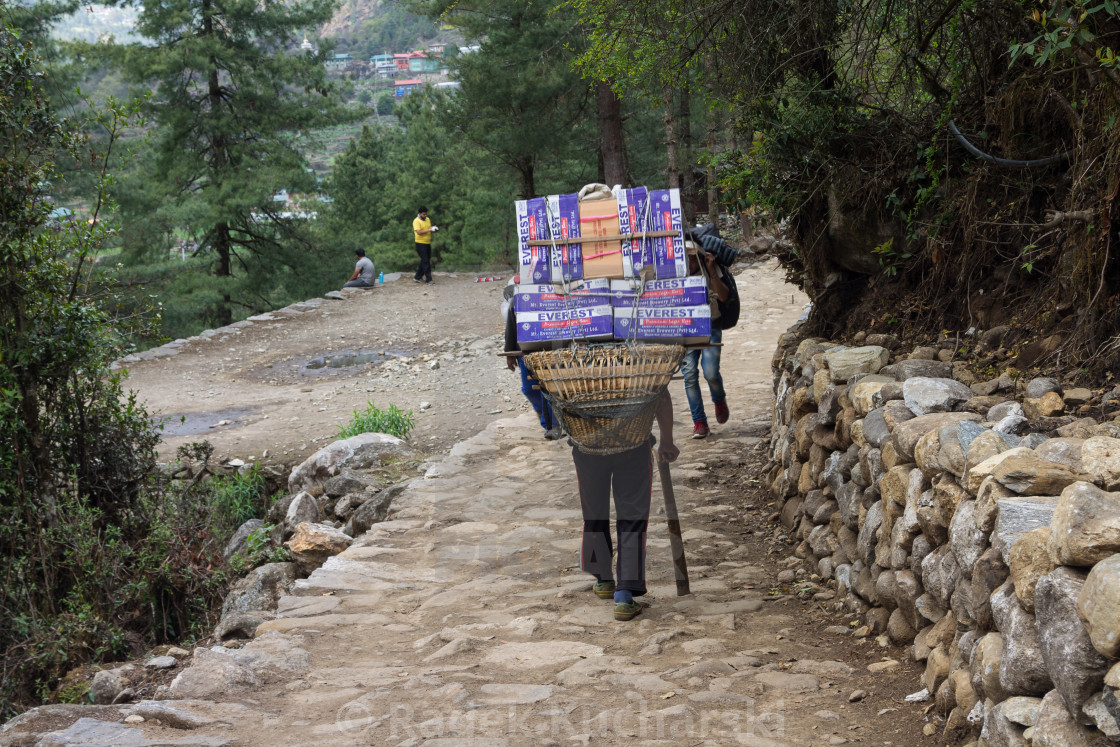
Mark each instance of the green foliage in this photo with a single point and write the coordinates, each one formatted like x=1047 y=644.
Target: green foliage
x=233 y=101
x=393 y=421
x=385 y=104
x=99 y=555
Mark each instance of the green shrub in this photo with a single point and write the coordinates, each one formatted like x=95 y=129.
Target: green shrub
x=375 y=420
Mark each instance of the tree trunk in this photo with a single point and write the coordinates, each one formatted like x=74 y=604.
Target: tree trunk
x=688 y=178
x=612 y=147
x=713 y=191
x=525 y=172
x=673 y=176
x=223 y=248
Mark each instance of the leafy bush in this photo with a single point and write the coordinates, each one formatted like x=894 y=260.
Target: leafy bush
x=374 y=420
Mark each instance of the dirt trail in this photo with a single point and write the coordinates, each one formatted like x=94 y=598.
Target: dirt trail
x=463 y=620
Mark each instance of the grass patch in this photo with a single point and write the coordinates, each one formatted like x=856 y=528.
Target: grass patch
x=393 y=421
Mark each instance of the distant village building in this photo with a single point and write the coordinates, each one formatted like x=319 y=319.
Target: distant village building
x=339 y=61
x=405 y=87
x=384 y=66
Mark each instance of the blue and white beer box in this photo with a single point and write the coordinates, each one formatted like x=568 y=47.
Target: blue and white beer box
x=686 y=324
x=567 y=259
x=532 y=224
x=633 y=217
x=548 y=297
x=657 y=294
x=669 y=257
x=593 y=323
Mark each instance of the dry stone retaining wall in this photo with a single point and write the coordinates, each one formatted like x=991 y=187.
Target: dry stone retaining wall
x=981 y=531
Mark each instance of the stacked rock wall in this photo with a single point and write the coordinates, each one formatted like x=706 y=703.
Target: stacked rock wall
x=977 y=530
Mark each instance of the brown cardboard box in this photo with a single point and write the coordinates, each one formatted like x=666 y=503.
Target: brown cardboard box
x=601 y=259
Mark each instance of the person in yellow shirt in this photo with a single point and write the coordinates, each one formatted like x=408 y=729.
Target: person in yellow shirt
x=422 y=230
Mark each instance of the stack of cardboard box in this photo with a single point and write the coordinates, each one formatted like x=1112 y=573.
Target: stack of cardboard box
x=626 y=277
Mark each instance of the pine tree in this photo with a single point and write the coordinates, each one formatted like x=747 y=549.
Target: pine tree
x=233 y=97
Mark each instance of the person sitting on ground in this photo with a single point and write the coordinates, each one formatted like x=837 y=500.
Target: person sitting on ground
x=630 y=474
x=549 y=421
x=363 y=272
x=703 y=262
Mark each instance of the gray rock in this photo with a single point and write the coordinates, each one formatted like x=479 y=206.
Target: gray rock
x=278 y=510
x=303 y=508
x=868 y=539
x=846 y=363
x=1065 y=451
x=925 y=395
x=358 y=452
x=1028 y=474
x=1098 y=606
x=1022 y=710
x=239 y=542
x=1040 y=386
x=1086 y=525
x=212 y=675
x=1103 y=708
x=347 y=503
x=911 y=368
x=905 y=435
x=1003 y=410
x=875 y=430
x=1054 y=727
x=1022 y=670
x=373 y=511
x=346 y=481
x=261 y=588
x=1000 y=731
x=1011 y=425
x=1100 y=458
x=162 y=662
x=240 y=624
x=988 y=574
x=966 y=540
x=1075 y=666
x=991 y=339
x=91 y=731
x=967 y=431
x=106 y=686
x=1017 y=516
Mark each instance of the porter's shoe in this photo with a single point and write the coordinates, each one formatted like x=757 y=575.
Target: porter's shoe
x=554 y=433
x=700 y=429
x=604 y=589
x=624 y=611
x=722 y=413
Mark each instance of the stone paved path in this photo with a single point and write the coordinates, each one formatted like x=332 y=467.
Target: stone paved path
x=464 y=620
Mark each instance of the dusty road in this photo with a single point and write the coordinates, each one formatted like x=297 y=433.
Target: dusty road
x=463 y=620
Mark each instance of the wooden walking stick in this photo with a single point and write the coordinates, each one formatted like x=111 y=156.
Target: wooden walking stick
x=676 y=542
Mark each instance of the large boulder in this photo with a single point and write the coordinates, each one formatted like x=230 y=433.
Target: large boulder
x=213 y=674
x=1017 y=516
x=261 y=588
x=1086 y=525
x=372 y=511
x=303 y=508
x=925 y=395
x=1098 y=606
x=1100 y=459
x=845 y=363
x=311 y=545
x=1075 y=666
x=1022 y=671
x=239 y=542
x=1029 y=561
x=358 y=452
x=1054 y=727
x=906 y=434
x=1027 y=474
x=913 y=367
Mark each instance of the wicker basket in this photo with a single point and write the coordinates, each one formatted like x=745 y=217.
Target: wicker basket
x=605 y=394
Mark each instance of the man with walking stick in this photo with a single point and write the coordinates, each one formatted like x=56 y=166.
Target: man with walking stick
x=630 y=475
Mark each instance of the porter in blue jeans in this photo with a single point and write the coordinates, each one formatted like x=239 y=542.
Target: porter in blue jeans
x=708 y=360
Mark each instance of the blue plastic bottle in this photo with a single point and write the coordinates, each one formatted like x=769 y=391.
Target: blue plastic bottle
x=381 y=277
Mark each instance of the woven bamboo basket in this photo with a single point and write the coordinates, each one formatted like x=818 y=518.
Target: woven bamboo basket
x=606 y=394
